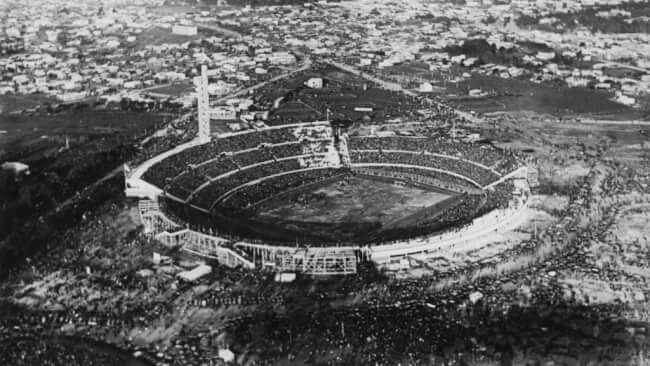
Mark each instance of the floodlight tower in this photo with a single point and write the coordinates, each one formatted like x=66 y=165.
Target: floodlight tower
x=203 y=104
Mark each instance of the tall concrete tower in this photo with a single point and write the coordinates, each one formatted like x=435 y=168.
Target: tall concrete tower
x=203 y=104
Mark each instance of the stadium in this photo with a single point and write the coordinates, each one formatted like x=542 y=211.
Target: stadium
x=320 y=197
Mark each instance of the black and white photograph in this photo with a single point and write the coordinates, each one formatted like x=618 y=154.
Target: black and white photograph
x=325 y=182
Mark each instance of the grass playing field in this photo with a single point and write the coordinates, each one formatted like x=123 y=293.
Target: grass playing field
x=346 y=210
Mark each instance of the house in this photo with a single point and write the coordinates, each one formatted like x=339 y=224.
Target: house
x=71 y=97
x=226 y=355
x=365 y=61
x=195 y=274
x=285 y=277
x=15 y=167
x=282 y=58
x=314 y=83
x=132 y=84
x=223 y=113
x=426 y=87
x=185 y=30
x=219 y=88
x=624 y=99
x=545 y=56
x=477 y=93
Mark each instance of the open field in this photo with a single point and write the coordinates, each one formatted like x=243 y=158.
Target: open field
x=11 y=103
x=46 y=131
x=541 y=98
x=348 y=209
x=174 y=90
x=157 y=36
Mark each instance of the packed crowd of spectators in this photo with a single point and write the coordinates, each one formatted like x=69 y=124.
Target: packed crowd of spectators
x=485 y=154
x=272 y=152
x=178 y=132
x=478 y=174
x=185 y=183
x=251 y=195
x=427 y=177
x=86 y=285
x=207 y=196
x=291 y=101
x=449 y=213
x=438 y=316
x=455 y=213
x=294 y=112
x=498 y=197
x=428 y=329
x=369 y=104
x=175 y=164
x=266 y=95
x=427 y=321
x=25 y=344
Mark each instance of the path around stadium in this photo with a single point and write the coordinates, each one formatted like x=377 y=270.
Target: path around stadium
x=98 y=182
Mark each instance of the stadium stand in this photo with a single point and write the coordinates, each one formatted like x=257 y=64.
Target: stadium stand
x=474 y=172
x=229 y=175
x=269 y=188
x=483 y=154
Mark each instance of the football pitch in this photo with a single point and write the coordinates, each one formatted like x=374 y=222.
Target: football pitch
x=346 y=210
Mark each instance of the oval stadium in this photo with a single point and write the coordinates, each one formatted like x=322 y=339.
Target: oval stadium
x=319 y=197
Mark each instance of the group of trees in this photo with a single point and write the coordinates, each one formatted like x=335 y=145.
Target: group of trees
x=488 y=53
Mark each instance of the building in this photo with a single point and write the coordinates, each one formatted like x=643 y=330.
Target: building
x=314 y=83
x=223 y=113
x=195 y=274
x=282 y=58
x=426 y=87
x=71 y=97
x=185 y=30
x=16 y=167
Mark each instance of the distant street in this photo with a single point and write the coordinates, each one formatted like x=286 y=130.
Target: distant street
x=249 y=89
x=109 y=175
x=613 y=122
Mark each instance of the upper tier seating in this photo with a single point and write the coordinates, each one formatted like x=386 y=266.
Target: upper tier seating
x=474 y=172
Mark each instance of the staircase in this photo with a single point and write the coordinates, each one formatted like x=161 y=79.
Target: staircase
x=344 y=154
